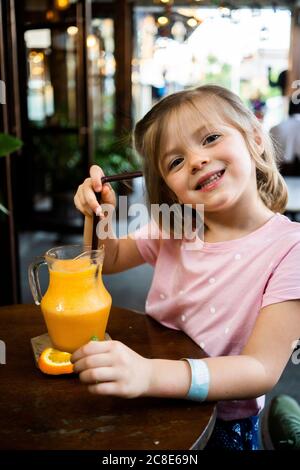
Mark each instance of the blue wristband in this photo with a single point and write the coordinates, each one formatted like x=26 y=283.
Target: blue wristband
x=200 y=380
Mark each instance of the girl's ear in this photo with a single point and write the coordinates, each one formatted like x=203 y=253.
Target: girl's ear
x=259 y=141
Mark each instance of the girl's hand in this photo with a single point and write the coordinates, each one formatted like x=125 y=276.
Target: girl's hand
x=85 y=199
x=111 y=368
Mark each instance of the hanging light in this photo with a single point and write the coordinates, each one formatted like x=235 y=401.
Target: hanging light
x=36 y=57
x=162 y=20
x=51 y=15
x=91 y=40
x=163 y=2
x=62 y=4
x=192 y=22
x=72 y=30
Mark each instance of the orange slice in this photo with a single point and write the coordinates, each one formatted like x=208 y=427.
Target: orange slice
x=55 y=362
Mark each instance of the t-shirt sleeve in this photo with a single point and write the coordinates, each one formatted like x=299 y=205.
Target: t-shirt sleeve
x=148 y=242
x=284 y=283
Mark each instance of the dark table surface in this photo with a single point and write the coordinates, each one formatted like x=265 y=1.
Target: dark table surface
x=38 y=411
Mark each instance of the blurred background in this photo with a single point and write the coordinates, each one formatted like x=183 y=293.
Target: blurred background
x=75 y=77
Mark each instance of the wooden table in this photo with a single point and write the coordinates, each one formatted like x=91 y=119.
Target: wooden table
x=56 y=412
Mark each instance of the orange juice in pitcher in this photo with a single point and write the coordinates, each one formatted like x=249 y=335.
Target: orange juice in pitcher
x=76 y=305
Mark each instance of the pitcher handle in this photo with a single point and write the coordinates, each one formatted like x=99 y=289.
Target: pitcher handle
x=33 y=275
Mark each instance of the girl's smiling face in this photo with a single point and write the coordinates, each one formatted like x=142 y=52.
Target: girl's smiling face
x=202 y=132
x=208 y=166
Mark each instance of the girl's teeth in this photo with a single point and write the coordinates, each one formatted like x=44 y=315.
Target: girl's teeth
x=210 y=180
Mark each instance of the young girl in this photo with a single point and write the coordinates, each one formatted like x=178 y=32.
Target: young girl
x=238 y=295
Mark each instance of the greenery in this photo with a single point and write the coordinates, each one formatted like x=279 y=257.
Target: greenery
x=8 y=144
x=218 y=72
x=115 y=155
x=57 y=160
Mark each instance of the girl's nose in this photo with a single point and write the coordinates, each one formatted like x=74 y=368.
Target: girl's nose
x=197 y=162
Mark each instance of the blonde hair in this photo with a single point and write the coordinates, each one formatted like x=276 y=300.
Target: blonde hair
x=212 y=103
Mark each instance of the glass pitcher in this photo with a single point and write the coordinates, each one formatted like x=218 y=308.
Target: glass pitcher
x=76 y=304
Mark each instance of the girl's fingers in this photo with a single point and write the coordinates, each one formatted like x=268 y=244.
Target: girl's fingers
x=91 y=362
x=108 y=195
x=87 y=195
x=93 y=347
x=104 y=388
x=80 y=203
x=101 y=374
x=96 y=174
x=85 y=199
x=90 y=199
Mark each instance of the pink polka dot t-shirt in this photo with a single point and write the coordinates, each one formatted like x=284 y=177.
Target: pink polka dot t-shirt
x=214 y=293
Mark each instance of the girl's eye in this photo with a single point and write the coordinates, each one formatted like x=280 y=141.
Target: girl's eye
x=175 y=163
x=211 y=138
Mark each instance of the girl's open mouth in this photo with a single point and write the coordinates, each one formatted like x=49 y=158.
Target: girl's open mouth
x=211 y=183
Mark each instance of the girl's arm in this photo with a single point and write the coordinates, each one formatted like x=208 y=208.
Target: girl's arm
x=263 y=359
x=111 y=368
x=258 y=368
x=120 y=253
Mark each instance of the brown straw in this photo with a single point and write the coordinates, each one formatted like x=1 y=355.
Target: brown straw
x=108 y=179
